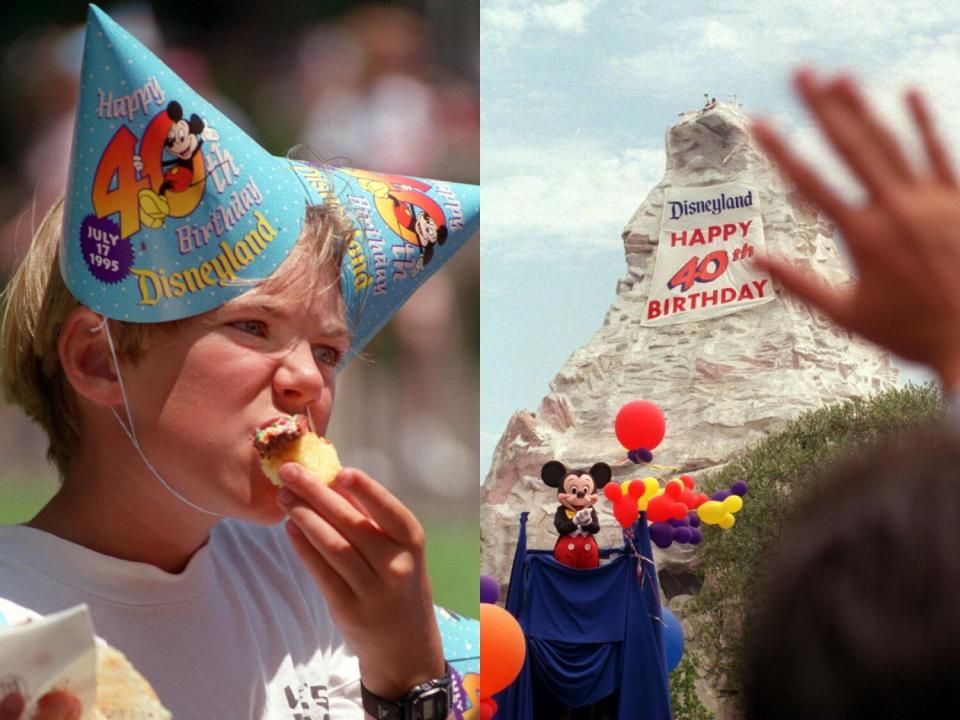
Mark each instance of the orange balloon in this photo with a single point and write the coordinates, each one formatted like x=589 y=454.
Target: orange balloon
x=502 y=649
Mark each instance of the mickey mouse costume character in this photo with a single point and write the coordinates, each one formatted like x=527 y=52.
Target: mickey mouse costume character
x=576 y=520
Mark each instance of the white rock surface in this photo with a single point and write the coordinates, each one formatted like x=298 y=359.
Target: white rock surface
x=723 y=384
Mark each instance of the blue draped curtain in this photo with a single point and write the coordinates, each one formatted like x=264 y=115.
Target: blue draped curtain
x=590 y=633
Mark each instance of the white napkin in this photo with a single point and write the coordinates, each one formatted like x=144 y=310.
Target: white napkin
x=56 y=652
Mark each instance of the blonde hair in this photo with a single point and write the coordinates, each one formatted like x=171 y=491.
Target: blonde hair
x=38 y=302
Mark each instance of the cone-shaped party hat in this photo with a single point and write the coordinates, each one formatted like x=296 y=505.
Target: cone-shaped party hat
x=172 y=210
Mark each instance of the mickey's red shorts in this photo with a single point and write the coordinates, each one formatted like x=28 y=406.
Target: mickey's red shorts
x=577 y=551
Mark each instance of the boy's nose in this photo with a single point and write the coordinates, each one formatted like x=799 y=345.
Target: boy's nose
x=299 y=381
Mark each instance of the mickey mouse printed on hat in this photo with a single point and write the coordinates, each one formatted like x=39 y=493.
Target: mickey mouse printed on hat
x=172 y=210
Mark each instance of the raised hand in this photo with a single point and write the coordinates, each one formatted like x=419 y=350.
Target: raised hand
x=904 y=239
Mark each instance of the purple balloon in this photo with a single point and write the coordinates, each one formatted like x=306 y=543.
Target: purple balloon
x=739 y=488
x=696 y=536
x=693 y=519
x=661 y=534
x=673 y=522
x=720 y=495
x=489 y=589
x=683 y=535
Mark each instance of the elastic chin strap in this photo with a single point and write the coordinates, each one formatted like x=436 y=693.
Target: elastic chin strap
x=131 y=432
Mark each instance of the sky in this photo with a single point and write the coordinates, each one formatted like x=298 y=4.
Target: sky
x=576 y=97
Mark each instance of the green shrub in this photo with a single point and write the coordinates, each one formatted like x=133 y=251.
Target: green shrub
x=778 y=469
x=684 y=702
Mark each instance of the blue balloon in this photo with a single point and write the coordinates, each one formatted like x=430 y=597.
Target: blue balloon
x=672 y=639
x=683 y=535
x=661 y=534
x=489 y=589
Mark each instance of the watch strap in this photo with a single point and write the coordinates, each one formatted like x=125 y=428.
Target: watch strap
x=431 y=700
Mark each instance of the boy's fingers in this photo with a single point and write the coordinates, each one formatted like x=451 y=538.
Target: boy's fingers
x=357 y=505
x=11 y=707
x=332 y=585
x=58 y=705
x=802 y=175
x=806 y=287
x=344 y=513
x=390 y=514
x=830 y=105
x=936 y=152
x=346 y=560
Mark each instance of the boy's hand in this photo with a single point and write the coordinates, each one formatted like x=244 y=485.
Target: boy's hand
x=365 y=549
x=56 y=705
x=904 y=239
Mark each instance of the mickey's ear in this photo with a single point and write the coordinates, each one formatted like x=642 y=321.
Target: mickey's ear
x=601 y=474
x=553 y=473
x=175 y=111
x=196 y=124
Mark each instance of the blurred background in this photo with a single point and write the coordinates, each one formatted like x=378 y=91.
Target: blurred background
x=391 y=87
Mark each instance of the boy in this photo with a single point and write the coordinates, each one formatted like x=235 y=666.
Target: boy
x=226 y=618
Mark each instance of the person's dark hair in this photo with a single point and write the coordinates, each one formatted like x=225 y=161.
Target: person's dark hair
x=859 y=616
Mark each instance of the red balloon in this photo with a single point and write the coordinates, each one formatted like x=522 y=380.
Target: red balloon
x=625 y=511
x=488 y=708
x=658 y=509
x=612 y=491
x=502 y=649
x=636 y=489
x=687 y=481
x=640 y=424
x=673 y=490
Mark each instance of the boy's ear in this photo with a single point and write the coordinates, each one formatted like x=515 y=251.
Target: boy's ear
x=85 y=358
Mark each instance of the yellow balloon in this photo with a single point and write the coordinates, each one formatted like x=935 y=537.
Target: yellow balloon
x=711 y=512
x=651 y=488
x=727 y=521
x=733 y=504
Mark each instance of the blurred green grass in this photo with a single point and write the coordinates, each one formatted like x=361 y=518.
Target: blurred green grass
x=22 y=496
x=453 y=547
x=453 y=562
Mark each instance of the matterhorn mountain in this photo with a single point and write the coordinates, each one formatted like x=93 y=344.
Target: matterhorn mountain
x=722 y=382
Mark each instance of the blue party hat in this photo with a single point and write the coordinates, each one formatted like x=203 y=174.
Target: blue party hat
x=172 y=210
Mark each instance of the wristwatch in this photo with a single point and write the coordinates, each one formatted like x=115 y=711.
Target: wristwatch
x=431 y=700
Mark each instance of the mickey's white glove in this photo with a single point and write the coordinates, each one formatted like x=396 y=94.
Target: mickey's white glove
x=210 y=135
x=583 y=517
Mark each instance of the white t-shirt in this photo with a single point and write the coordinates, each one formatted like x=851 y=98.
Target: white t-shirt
x=242 y=632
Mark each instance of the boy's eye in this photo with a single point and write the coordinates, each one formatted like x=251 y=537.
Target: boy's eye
x=251 y=327
x=326 y=355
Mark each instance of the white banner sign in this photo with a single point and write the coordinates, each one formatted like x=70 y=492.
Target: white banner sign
x=706 y=235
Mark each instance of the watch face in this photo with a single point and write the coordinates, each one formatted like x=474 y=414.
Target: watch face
x=432 y=705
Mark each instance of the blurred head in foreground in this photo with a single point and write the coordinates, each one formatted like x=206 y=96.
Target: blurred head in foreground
x=859 y=615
